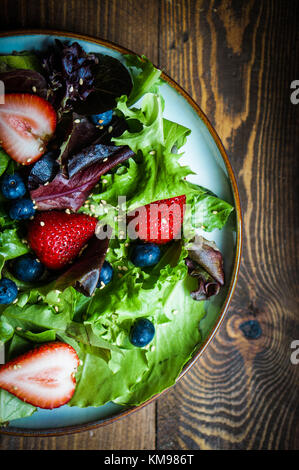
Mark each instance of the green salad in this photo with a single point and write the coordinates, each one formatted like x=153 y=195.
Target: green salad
x=84 y=140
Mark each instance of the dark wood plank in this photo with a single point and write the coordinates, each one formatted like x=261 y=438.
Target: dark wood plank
x=237 y=60
x=126 y=23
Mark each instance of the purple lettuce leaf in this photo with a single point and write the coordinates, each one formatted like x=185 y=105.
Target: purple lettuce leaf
x=24 y=81
x=205 y=263
x=111 y=80
x=89 y=156
x=206 y=254
x=64 y=193
x=207 y=286
x=80 y=134
x=84 y=273
x=68 y=71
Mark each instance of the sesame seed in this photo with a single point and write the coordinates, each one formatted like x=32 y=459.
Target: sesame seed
x=41 y=149
x=104 y=181
x=34 y=89
x=175 y=312
x=71 y=88
x=215 y=212
x=56 y=308
x=119 y=267
x=126 y=244
x=15 y=301
x=37 y=260
x=125 y=268
x=81 y=362
x=105 y=159
x=46 y=184
x=42 y=223
x=77 y=121
x=15 y=388
x=110 y=129
x=203 y=227
x=67 y=211
x=103 y=202
x=19 y=328
x=29 y=160
x=152 y=152
x=81 y=81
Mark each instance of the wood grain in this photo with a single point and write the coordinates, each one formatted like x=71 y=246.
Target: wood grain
x=236 y=59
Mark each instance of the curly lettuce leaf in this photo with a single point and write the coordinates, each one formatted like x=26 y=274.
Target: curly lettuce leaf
x=146 y=77
x=155 y=173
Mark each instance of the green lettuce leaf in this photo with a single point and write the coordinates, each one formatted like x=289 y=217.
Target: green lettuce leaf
x=4 y=161
x=146 y=77
x=11 y=246
x=23 y=60
x=12 y=408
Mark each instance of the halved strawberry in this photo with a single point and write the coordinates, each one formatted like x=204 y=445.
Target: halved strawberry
x=57 y=237
x=26 y=124
x=160 y=221
x=44 y=376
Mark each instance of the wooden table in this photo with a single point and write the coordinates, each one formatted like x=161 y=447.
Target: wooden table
x=237 y=59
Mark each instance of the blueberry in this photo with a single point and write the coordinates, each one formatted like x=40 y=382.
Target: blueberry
x=102 y=119
x=22 y=209
x=8 y=291
x=43 y=170
x=27 y=268
x=12 y=186
x=106 y=274
x=142 y=332
x=145 y=255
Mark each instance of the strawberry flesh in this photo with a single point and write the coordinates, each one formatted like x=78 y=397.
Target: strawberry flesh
x=160 y=221
x=57 y=237
x=27 y=122
x=43 y=377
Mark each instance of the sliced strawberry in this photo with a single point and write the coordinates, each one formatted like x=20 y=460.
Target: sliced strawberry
x=43 y=377
x=160 y=221
x=57 y=238
x=26 y=124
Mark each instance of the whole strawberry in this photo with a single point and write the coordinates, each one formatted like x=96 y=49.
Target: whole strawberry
x=57 y=237
x=160 y=221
